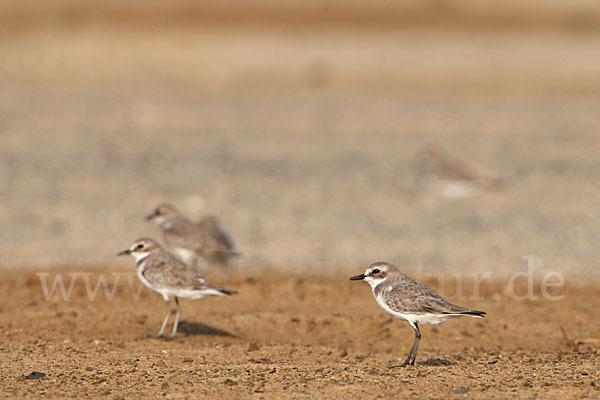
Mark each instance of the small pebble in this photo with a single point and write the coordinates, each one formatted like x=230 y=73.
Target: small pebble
x=35 y=375
x=461 y=390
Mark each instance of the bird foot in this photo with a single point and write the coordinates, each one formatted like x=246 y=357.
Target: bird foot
x=407 y=363
x=404 y=364
x=157 y=336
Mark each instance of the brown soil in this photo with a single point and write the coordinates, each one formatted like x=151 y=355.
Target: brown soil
x=299 y=334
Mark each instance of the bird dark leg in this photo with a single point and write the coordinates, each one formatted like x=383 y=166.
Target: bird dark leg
x=164 y=324
x=417 y=341
x=412 y=353
x=176 y=319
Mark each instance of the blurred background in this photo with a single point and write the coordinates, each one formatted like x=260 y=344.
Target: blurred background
x=298 y=123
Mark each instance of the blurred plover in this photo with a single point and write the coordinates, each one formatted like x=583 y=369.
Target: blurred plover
x=163 y=273
x=190 y=240
x=451 y=178
x=407 y=299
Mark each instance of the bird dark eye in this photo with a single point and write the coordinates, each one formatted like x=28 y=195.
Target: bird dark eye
x=139 y=246
x=375 y=271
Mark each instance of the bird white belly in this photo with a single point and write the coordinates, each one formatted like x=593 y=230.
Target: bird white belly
x=454 y=189
x=185 y=255
x=194 y=294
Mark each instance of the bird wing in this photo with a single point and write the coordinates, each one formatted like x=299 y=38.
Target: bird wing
x=412 y=297
x=217 y=240
x=185 y=234
x=167 y=271
x=456 y=170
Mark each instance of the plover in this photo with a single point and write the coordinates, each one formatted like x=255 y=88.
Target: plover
x=451 y=178
x=163 y=273
x=190 y=240
x=407 y=299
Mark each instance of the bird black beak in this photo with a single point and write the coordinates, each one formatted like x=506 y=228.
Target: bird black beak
x=149 y=217
x=124 y=252
x=358 y=277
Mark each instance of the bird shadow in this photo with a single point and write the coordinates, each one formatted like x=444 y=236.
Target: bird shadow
x=436 y=362
x=432 y=362
x=197 y=328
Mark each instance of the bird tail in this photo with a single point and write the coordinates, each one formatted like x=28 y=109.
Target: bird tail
x=226 y=253
x=474 y=313
x=227 y=292
x=212 y=290
x=224 y=257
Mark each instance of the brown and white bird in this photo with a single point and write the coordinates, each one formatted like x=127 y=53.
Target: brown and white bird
x=407 y=299
x=452 y=178
x=191 y=240
x=165 y=274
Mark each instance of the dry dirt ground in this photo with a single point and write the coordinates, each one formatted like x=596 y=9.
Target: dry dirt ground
x=294 y=334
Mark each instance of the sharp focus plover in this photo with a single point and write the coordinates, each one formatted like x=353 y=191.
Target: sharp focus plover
x=190 y=240
x=451 y=178
x=407 y=299
x=163 y=273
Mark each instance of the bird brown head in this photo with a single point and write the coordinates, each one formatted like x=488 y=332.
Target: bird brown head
x=162 y=213
x=141 y=248
x=376 y=273
x=429 y=158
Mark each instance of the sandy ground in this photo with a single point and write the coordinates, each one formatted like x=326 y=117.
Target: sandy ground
x=296 y=334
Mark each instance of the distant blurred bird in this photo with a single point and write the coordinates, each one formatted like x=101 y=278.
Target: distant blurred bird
x=452 y=178
x=163 y=273
x=191 y=240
